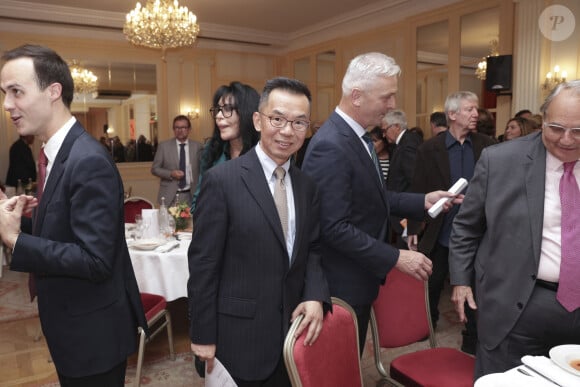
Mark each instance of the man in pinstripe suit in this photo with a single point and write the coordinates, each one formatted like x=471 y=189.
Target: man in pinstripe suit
x=251 y=274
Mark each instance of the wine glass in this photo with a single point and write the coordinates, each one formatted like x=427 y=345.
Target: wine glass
x=138 y=230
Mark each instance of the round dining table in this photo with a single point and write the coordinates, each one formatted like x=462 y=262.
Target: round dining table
x=162 y=273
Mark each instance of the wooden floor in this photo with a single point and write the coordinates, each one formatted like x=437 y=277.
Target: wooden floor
x=25 y=360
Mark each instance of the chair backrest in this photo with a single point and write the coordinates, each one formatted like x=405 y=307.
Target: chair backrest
x=400 y=311
x=133 y=206
x=333 y=359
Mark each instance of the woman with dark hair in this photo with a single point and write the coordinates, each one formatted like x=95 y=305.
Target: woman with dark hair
x=232 y=109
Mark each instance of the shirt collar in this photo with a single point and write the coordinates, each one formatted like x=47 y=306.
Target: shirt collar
x=400 y=136
x=358 y=129
x=450 y=140
x=52 y=146
x=268 y=165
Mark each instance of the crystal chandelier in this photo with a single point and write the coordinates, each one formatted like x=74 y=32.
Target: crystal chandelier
x=161 y=24
x=84 y=80
x=482 y=65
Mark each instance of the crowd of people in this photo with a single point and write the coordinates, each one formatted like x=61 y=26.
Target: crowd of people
x=280 y=226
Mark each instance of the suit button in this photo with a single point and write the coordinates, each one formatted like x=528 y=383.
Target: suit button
x=534 y=277
x=520 y=305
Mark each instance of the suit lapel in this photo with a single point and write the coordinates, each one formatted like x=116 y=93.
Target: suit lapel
x=442 y=159
x=57 y=169
x=534 y=164
x=253 y=177
x=357 y=148
x=300 y=205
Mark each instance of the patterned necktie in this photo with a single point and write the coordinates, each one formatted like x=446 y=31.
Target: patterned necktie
x=280 y=198
x=569 y=288
x=42 y=164
x=182 y=165
x=370 y=146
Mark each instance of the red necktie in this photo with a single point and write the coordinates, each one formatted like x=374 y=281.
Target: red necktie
x=569 y=287
x=42 y=163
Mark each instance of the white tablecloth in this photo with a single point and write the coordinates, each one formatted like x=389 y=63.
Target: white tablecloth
x=165 y=274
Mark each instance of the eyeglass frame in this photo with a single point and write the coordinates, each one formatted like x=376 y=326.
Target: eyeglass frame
x=214 y=110
x=560 y=130
x=285 y=122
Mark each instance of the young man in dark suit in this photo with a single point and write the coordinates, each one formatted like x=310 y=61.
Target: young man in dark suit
x=74 y=246
x=254 y=261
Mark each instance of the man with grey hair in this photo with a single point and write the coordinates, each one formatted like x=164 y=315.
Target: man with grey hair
x=441 y=161
x=355 y=206
x=516 y=240
x=402 y=164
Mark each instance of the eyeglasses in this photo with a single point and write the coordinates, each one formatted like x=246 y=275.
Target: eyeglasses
x=227 y=110
x=181 y=127
x=560 y=130
x=299 y=125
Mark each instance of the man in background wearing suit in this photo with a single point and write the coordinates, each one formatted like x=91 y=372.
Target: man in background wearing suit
x=254 y=259
x=441 y=161
x=21 y=164
x=403 y=156
x=74 y=246
x=355 y=205
x=176 y=163
x=516 y=240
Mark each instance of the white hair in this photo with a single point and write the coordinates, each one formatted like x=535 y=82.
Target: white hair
x=363 y=71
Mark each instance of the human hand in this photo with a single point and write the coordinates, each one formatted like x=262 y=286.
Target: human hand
x=177 y=174
x=460 y=295
x=313 y=315
x=205 y=353
x=10 y=213
x=415 y=264
x=433 y=197
x=412 y=242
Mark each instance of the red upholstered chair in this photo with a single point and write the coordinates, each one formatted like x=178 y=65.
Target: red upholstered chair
x=157 y=318
x=400 y=317
x=133 y=206
x=333 y=359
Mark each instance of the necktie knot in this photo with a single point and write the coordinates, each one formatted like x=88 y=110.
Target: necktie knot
x=42 y=160
x=569 y=167
x=280 y=173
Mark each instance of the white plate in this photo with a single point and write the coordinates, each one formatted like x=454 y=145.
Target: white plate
x=563 y=355
x=494 y=380
x=147 y=244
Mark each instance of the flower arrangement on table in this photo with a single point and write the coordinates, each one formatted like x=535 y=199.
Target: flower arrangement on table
x=181 y=215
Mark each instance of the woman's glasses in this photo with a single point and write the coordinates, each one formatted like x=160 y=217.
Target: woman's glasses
x=227 y=110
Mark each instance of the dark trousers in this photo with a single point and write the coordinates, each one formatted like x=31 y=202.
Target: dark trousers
x=440 y=258
x=115 y=377
x=543 y=324
x=363 y=315
x=279 y=378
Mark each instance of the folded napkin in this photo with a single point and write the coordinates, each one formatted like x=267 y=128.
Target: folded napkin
x=551 y=370
x=167 y=247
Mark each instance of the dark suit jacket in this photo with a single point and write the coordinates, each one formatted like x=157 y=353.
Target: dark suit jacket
x=243 y=286
x=497 y=234
x=355 y=209
x=21 y=164
x=167 y=160
x=402 y=165
x=88 y=299
x=432 y=173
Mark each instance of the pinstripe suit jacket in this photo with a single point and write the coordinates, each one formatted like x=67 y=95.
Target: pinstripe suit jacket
x=243 y=286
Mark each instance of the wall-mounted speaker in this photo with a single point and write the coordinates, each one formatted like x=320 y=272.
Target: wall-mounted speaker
x=498 y=74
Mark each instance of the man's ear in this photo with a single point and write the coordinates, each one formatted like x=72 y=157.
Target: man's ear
x=356 y=97
x=257 y=121
x=55 y=90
